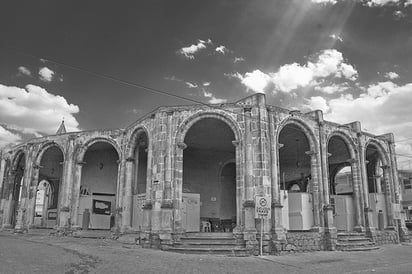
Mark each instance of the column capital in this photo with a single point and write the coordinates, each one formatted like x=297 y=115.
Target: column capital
x=351 y=160
x=280 y=145
x=235 y=142
x=80 y=163
x=310 y=153
x=385 y=167
x=181 y=145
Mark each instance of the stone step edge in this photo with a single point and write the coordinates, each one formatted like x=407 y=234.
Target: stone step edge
x=360 y=249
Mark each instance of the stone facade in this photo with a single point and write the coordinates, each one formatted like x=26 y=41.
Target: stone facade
x=158 y=139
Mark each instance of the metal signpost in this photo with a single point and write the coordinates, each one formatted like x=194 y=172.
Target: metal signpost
x=262 y=211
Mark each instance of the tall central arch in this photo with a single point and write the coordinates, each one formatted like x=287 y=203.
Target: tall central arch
x=209 y=176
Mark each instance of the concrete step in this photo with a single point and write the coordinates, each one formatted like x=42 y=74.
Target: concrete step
x=238 y=251
x=215 y=241
x=350 y=234
x=209 y=235
x=359 y=244
x=367 y=248
x=353 y=239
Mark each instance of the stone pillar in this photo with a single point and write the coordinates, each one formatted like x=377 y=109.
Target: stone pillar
x=388 y=197
x=167 y=204
x=128 y=196
x=32 y=195
x=356 y=180
x=316 y=190
x=278 y=231
x=364 y=181
x=67 y=186
x=2 y=186
x=249 y=203
x=8 y=197
x=21 y=222
x=76 y=195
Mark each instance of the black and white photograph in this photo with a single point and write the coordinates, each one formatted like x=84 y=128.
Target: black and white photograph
x=206 y=136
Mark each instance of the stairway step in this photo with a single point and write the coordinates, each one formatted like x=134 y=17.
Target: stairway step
x=365 y=244
x=214 y=250
x=369 y=248
x=209 y=235
x=353 y=239
x=205 y=241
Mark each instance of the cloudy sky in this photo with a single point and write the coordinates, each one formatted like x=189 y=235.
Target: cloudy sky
x=351 y=59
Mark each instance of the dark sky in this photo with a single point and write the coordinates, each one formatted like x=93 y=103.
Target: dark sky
x=302 y=54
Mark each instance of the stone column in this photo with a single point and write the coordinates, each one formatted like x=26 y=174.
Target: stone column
x=178 y=181
x=32 y=195
x=316 y=200
x=278 y=231
x=8 y=197
x=167 y=204
x=249 y=203
x=388 y=197
x=76 y=195
x=128 y=196
x=67 y=186
x=356 y=180
x=3 y=187
x=21 y=222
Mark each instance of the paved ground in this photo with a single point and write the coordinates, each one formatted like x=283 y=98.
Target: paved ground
x=39 y=253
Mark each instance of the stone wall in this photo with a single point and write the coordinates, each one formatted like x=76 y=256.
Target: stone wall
x=302 y=242
x=386 y=237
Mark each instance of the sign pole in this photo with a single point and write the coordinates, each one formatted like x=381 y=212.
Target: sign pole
x=261 y=234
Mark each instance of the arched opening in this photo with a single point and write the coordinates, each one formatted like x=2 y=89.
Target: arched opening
x=43 y=200
x=17 y=187
x=139 y=179
x=51 y=171
x=98 y=187
x=376 y=186
x=341 y=184
x=209 y=177
x=295 y=178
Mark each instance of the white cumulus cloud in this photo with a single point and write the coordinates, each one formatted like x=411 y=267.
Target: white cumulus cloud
x=255 y=80
x=34 y=110
x=190 y=51
x=317 y=102
x=213 y=99
x=7 y=137
x=391 y=75
x=46 y=74
x=221 y=49
x=328 y=63
x=24 y=70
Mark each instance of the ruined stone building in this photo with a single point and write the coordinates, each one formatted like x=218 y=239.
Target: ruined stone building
x=190 y=169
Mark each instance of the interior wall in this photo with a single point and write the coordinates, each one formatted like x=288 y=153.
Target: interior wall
x=99 y=174
x=201 y=174
x=294 y=163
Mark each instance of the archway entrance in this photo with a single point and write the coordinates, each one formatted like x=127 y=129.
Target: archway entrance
x=376 y=186
x=295 y=175
x=50 y=177
x=209 y=177
x=43 y=200
x=341 y=184
x=17 y=187
x=98 y=187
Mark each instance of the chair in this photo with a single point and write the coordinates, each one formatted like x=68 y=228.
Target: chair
x=206 y=226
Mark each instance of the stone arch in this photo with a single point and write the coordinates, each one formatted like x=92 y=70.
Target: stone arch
x=220 y=115
x=82 y=150
x=16 y=159
x=304 y=127
x=179 y=146
x=314 y=184
x=44 y=148
x=381 y=150
x=131 y=143
x=347 y=139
